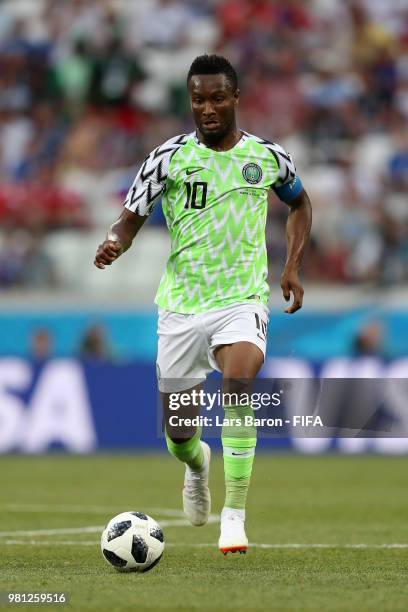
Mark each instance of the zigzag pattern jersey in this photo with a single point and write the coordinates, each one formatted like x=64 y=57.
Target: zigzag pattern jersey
x=215 y=205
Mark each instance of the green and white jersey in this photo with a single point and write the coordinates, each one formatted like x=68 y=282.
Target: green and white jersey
x=215 y=205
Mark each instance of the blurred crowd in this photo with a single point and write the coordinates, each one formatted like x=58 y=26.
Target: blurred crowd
x=89 y=87
x=94 y=344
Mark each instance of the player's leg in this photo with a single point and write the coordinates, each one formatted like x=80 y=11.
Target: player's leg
x=181 y=367
x=238 y=346
x=183 y=440
x=239 y=363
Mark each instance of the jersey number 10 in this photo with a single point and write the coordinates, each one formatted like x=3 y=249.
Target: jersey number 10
x=196 y=195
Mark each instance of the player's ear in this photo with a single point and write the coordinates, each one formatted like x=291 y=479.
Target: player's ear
x=236 y=96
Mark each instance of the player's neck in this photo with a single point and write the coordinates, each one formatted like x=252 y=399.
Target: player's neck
x=227 y=142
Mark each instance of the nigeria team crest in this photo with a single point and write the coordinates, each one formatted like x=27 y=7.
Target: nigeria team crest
x=252 y=173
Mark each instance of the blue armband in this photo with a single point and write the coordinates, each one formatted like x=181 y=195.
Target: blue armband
x=289 y=191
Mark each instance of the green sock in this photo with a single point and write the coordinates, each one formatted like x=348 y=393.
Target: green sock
x=239 y=442
x=189 y=452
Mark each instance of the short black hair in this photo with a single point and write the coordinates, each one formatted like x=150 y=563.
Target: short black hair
x=214 y=64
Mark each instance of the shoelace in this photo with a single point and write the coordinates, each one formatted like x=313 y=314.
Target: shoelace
x=193 y=479
x=232 y=517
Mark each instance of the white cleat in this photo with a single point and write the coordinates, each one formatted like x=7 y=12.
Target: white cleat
x=233 y=538
x=196 y=494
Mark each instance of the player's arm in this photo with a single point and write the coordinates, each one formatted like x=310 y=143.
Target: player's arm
x=148 y=185
x=297 y=235
x=290 y=190
x=119 y=238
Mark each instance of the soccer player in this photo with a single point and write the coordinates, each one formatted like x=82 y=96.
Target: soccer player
x=213 y=296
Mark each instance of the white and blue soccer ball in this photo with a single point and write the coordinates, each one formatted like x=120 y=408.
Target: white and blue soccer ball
x=132 y=542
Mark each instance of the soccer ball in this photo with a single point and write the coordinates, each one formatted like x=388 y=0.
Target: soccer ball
x=132 y=542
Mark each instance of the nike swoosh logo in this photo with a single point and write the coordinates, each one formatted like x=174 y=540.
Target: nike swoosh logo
x=239 y=454
x=190 y=171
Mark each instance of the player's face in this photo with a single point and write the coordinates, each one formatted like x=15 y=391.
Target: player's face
x=213 y=103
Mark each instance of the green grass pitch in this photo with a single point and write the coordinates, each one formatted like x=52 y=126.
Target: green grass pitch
x=328 y=505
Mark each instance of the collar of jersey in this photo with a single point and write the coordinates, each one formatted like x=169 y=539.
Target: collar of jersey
x=238 y=145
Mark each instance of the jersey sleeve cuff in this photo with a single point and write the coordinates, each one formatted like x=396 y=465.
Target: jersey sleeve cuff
x=289 y=191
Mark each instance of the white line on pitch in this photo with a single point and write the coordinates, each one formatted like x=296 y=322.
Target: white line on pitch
x=208 y=545
x=352 y=546
x=79 y=509
x=213 y=518
x=39 y=532
x=50 y=542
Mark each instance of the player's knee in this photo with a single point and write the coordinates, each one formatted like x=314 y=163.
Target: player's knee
x=178 y=437
x=244 y=369
x=237 y=385
x=239 y=373
x=179 y=440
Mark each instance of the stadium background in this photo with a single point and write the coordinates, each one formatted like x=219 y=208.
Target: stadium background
x=87 y=89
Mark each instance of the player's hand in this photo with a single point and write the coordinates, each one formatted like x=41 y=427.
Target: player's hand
x=290 y=283
x=107 y=253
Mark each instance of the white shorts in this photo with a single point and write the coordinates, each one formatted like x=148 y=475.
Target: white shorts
x=187 y=342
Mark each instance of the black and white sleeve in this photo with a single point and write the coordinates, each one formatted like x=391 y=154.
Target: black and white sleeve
x=288 y=184
x=150 y=181
x=286 y=165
